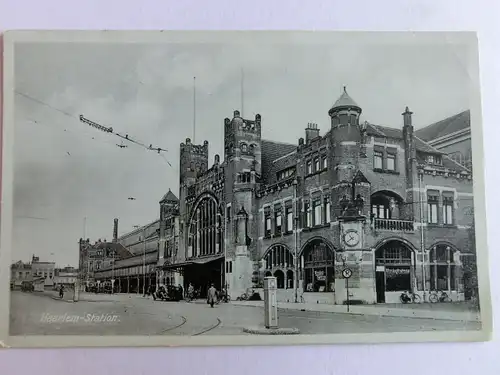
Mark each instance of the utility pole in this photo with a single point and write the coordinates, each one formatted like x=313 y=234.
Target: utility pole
x=295 y=234
x=144 y=264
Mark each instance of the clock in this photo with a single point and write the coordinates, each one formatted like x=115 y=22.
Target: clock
x=351 y=237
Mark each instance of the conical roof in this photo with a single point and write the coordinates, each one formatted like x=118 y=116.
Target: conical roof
x=345 y=101
x=169 y=197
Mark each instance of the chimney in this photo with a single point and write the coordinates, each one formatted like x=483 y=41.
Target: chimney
x=312 y=132
x=115 y=231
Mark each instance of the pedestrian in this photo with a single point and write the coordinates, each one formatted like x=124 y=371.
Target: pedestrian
x=181 y=292
x=212 y=295
x=152 y=290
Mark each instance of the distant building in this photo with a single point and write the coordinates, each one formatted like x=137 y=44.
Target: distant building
x=43 y=269
x=66 y=276
x=20 y=272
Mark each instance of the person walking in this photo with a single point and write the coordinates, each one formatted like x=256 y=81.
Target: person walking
x=212 y=295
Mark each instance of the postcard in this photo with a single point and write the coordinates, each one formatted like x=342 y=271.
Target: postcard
x=242 y=188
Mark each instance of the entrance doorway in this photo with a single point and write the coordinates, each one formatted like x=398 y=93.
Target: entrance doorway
x=393 y=271
x=201 y=276
x=380 y=286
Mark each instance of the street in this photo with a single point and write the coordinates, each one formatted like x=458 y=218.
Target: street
x=40 y=314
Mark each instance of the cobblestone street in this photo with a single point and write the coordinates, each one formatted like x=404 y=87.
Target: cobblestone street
x=41 y=314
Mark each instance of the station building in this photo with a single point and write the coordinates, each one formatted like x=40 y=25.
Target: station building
x=393 y=207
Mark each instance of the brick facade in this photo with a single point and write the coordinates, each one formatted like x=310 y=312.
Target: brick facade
x=378 y=200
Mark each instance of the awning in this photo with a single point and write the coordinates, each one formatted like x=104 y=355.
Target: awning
x=176 y=265
x=195 y=261
x=206 y=260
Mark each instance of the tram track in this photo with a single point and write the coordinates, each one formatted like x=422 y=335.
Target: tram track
x=219 y=322
x=184 y=322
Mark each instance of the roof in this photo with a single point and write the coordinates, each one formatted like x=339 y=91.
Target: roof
x=453 y=124
x=345 y=101
x=386 y=132
x=119 y=249
x=271 y=151
x=169 y=197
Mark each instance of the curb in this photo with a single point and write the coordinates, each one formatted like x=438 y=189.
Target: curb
x=271 y=331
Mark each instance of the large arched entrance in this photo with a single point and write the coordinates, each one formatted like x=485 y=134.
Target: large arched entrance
x=393 y=270
x=319 y=266
x=205 y=245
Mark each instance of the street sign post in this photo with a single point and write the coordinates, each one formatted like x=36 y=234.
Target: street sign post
x=347 y=273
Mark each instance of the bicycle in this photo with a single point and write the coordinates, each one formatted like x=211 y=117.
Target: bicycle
x=439 y=296
x=409 y=297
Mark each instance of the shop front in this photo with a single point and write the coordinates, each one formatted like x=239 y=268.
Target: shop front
x=318 y=272
x=394 y=271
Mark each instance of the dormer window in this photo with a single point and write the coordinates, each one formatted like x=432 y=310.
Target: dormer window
x=316 y=164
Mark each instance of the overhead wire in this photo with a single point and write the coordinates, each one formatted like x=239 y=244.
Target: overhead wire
x=110 y=130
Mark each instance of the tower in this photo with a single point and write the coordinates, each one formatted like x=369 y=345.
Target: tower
x=345 y=146
x=410 y=167
x=193 y=161
x=242 y=151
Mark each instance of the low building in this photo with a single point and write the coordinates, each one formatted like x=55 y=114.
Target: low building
x=20 y=272
x=43 y=269
x=66 y=276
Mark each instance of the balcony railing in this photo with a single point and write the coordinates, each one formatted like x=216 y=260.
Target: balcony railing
x=394 y=225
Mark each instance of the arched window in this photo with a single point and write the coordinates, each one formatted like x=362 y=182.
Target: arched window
x=280 y=259
x=280 y=279
x=442 y=268
x=205 y=230
x=244 y=147
x=319 y=267
x=289 y=279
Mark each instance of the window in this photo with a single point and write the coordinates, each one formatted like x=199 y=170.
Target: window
x=317 y=212
x=244 y=147
x=380 y=211
x=391 y=162
x=377 y=159
x=324 y=161
x=289 y=218
x=228 y=213
x=267 y=223
x=442 y=268
x=307 y=215
x=309 y=167
x=277 y=220
x=432 y=207
x=327 y=210
x=434 y=159
x=448 y=208
x=252 y=149
x=316 y=164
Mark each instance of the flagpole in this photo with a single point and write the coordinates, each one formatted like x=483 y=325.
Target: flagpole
x=194 y=110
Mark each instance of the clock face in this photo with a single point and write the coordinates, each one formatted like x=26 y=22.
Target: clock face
x=351 y=238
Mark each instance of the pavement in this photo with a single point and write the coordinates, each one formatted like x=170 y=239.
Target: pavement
x=122 y=314
x=442 y=311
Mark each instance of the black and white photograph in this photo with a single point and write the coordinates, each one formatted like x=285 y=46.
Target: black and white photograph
x=185 y=188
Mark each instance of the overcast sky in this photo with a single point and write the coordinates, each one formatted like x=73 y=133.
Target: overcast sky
x=66 y=170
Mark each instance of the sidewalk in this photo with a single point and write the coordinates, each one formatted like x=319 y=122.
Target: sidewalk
x=455 y=312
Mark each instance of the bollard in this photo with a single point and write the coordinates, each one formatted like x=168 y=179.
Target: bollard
x=76 y=295
x=270 y=303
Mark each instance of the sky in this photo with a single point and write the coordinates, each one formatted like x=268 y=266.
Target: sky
x=66 y=171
